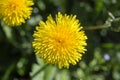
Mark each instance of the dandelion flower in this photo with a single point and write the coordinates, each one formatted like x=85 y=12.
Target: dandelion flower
x=15 y=12
x=60 y=41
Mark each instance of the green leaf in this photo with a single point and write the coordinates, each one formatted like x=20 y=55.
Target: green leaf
x=38 y=70
x=39 y=75
x=50 y=72
x=63 y=75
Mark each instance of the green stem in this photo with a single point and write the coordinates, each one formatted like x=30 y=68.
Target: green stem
x=8 y=72
x=97 y=27
x=41 y=69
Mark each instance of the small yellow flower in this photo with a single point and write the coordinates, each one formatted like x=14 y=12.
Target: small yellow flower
x=60 y=41
x=15 y=12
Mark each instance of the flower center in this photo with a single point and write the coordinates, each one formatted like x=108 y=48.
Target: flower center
x=59 y=41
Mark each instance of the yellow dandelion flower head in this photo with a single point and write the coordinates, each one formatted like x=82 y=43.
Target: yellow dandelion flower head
x=60 y=41
x=15 y=12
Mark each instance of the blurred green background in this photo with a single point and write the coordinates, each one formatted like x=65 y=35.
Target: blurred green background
x=101 y=22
